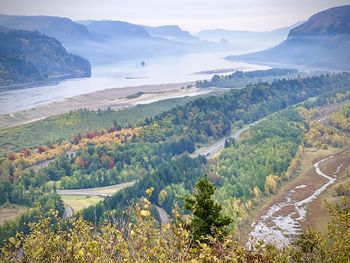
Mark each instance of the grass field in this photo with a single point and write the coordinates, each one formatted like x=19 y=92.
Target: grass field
x=80 y=202
x=10 y=212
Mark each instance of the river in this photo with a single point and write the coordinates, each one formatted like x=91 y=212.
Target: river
x=158 y=70
x=280 y=228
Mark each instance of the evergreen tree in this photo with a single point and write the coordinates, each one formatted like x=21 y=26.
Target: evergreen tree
x=207 y=220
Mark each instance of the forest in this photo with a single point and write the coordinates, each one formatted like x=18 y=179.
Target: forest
x=154 y=153
x=141 y=240
x=266 y=154
x=239 y=77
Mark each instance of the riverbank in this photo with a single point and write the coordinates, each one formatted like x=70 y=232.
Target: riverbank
x=115 y=98
x=287 y=214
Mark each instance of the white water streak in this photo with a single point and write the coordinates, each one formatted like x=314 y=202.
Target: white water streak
x=281 y=229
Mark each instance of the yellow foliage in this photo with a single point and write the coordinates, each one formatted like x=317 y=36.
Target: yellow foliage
x=162 y=196
x=149 y=191
x=142 y=241
x=108 y=139
x=271 y=184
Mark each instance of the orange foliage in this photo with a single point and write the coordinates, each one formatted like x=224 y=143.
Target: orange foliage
x=11 y=156
x=80 y=161
x=44 y=153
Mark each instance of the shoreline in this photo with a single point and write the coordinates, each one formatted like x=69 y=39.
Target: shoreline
x=114 y=98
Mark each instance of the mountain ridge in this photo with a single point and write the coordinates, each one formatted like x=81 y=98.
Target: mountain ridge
x=27 y=56
x=246 y=40
x=322 y=42
x=107 y=41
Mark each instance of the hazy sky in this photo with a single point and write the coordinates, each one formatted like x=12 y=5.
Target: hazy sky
x=192 y=15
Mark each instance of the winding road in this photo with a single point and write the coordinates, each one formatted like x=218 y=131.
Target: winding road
x=98 y=191
x=210 y=150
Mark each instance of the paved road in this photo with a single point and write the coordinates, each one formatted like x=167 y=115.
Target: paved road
x=99 y=191
x=47 y=162
x=210 y=150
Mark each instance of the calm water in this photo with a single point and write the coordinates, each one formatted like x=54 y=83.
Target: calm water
x=160 y=70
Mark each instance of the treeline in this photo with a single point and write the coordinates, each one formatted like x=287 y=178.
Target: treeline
x=226 y=80
x=140 y=240
x=341 y=120
x=56 y=129
x=162 y=138
x=104 y=165
x=257 y=164
x=44 y=204
x=180 y=129
x=178 y=173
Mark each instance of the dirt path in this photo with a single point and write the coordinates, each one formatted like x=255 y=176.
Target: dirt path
x=68 y=211
x=283 y=220
x=164 y=217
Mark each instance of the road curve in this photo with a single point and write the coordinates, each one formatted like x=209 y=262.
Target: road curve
x=98 y=191
x=210 y=150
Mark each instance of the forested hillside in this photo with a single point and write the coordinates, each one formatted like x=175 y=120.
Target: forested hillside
x=236 y=78
x=321 y=42
x=30 y=56
x=152 y=153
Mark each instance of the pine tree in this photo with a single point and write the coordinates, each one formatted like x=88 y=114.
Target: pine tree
x=207 y=221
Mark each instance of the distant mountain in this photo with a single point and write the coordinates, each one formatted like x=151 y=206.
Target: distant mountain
x=246 y=40
x=118 y=40
x=321 y=42
x=171 y=32
x=31 y=56
x=109 y=41
x=63 y=29
x=108 y=30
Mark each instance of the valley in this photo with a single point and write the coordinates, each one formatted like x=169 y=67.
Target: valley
x=171 y=146
x=102 y=158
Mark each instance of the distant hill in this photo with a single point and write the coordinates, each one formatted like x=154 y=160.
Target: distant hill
x=108 y=41
x=246 y=40
x=31 y=56
x=321 y=42
x=107 y=30
x=171 y=32
x=63 y=29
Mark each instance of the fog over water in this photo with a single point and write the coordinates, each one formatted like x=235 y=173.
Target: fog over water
x=159 y=70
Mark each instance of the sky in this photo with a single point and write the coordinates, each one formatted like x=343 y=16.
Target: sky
x=191 y=15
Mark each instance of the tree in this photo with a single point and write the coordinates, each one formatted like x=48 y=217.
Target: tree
x=207 y=221
x=229 y=142
x=271 y=184
x=215 y=78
